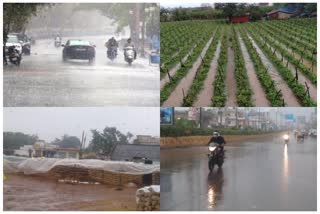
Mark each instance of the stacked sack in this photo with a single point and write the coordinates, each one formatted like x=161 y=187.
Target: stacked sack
x=148 y=198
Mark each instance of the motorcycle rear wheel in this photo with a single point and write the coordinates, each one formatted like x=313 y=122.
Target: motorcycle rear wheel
x=210 y=165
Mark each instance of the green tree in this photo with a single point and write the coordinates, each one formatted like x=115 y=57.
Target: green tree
x=104 y=142
x=15 y=140
x=17 y=15
x=67 y=141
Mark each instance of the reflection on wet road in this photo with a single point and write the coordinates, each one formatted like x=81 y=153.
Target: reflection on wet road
x=265 y=175
x=43 y=79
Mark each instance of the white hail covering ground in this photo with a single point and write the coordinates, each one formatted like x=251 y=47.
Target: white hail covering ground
x=43 y=165
x=146 y=189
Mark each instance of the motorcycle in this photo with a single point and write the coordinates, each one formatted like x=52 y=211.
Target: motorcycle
x=57 y=42
x=286 y=138
x=129 y=55
x=112 y=53
x=216 y=156
x=14 y=56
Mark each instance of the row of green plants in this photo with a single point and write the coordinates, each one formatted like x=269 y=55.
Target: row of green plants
x=285 y=73
x=185 y=66
x=298 y=32
x=296 y=45
x=202 y=71
x=274 y=96
x=293 y=46
x=219 y=86
x=267 y=38
x=244 y=92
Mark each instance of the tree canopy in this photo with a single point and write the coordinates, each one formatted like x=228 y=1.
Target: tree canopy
x=104 y=142
x=16 y=16
x=15 y=140
x=67 y=141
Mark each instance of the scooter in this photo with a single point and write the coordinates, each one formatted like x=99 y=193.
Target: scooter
x=216 y=156
x=14 y=56
x=112 y=53
x=129 y=54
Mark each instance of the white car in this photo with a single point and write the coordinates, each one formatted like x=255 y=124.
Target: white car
x=13 y=41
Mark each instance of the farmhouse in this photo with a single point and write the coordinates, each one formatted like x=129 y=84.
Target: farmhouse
x=281 y=13
x=239 y=19
x=129 y=152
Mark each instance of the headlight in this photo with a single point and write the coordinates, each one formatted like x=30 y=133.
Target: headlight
x=212 y=148
x=286 y=137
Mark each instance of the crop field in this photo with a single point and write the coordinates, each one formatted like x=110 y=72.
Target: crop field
x=265 y=63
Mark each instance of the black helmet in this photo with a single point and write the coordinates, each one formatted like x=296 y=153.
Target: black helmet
x=129 y=40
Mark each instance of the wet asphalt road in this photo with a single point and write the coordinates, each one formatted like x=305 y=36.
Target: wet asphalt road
x=255 y=176
x=43 y=79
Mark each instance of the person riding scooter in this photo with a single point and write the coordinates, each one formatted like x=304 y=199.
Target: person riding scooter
x=130 y=44
x=217 y=138
x=112 y=45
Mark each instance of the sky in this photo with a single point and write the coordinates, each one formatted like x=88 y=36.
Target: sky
x=173 y=4
x=49 y=123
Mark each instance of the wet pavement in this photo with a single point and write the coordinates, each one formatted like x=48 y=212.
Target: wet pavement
x=43 y=79
x=265 y=175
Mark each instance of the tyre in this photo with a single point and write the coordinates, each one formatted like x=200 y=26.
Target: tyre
x=210 y=165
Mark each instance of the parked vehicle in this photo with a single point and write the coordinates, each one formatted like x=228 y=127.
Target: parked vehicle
x=13 y=40
x=216 y=156
x=25 y=43
x=112 y=53
x=78 y=49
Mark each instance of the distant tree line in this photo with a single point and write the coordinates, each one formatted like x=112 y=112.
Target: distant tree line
x=227 y=10
x=102 y=142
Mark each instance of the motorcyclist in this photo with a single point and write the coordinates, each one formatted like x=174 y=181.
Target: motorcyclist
x=111 y=43
x=217 y=138
x=130 y=44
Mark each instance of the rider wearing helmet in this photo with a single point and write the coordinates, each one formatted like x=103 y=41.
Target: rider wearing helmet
x=111 y=43
x=130 y=44
x=217 y=138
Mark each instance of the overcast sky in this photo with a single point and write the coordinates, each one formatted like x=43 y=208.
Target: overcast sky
x=49 y=123
x=173 y=4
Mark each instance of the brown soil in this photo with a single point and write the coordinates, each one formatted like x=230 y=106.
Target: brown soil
x=258 y=95
x=172 y=71
x=27 y=193
x=280 y=84
x=297 y=56
x=176 y=97
x=301 y=77
x=230 y=79
x=204 y=97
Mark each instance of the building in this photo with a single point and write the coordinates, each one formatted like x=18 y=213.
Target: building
x=131 y=152
x=24 y=151
x=63 y=153
x=147 y=139
x=281 y=13
x=239 y=19
x=48 y=150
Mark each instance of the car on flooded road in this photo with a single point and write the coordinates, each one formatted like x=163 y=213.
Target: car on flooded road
x=78 y=49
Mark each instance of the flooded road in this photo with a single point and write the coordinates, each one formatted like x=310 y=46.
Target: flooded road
x=43 y=79
x=26 y=193
x=264 y=175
